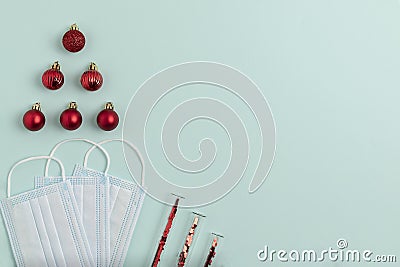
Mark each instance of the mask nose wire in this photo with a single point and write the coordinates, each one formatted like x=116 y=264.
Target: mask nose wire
x=132 y=146
x=32 y=159
x=77 y=139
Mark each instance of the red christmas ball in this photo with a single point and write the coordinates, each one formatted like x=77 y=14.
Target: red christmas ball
x=92 y=79
x=108 y=119
x=73 y=40
x=53 y=78
x=71 y=118
x=34 y=119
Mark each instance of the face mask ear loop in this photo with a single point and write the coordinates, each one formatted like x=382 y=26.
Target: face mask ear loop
x=134 y=148
x=31 y=159
x=46 y=172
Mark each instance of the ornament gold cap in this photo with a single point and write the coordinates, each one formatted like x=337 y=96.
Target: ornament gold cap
x=93 y=66
x=73 y=105
x=109 y=105
x=74 y=27
x=36 y=106
x=56 y=66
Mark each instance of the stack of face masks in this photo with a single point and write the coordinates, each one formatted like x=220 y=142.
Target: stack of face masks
x=86 y=219
x=126 y=200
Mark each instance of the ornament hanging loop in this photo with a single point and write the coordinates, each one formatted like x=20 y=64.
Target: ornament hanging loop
x=74 y=27
x=55 y=66
x=36 y=106
x=93 y=66
x=73 y=105
x=109 y=105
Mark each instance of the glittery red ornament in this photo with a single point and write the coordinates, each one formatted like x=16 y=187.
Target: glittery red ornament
x=53 y=78
x=108 y=119
x=34 y=119
x=92 y=79
x=73 y=40
x=71 y=118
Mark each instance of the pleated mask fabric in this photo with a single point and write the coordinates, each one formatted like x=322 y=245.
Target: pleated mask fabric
x=126 y=201
x=44 y=225
x=92 y=197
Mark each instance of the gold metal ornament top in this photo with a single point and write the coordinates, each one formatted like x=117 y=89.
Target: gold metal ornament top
x=56 y=66
x=109 y=105
x=73 y=105
x=36 y=106
x=74 y=27
x=93 y=66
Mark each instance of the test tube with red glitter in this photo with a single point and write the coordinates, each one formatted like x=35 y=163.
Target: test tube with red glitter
x=212 y=252
x=193 y=232
x=164 y=236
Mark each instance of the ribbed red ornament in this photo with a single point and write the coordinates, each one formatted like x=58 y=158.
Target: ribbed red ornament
x=92 y=79
x=53 y=78
x=108 y=119
x=71 y=118
x=34 y=119
x=73 y=40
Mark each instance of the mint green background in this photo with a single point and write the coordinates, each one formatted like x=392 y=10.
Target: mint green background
x=329 y=69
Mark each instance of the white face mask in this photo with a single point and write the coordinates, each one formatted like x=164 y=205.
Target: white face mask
x=92 y=197
x=126 y=200
x=44 y=226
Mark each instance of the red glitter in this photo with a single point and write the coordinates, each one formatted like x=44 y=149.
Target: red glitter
x=164 y=236
x=211 y=253
x=189 y=239
x=73 y=41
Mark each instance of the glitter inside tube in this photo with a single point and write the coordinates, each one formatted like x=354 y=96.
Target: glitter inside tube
x=183 y=255
x=212 y=251
x=164 y=236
